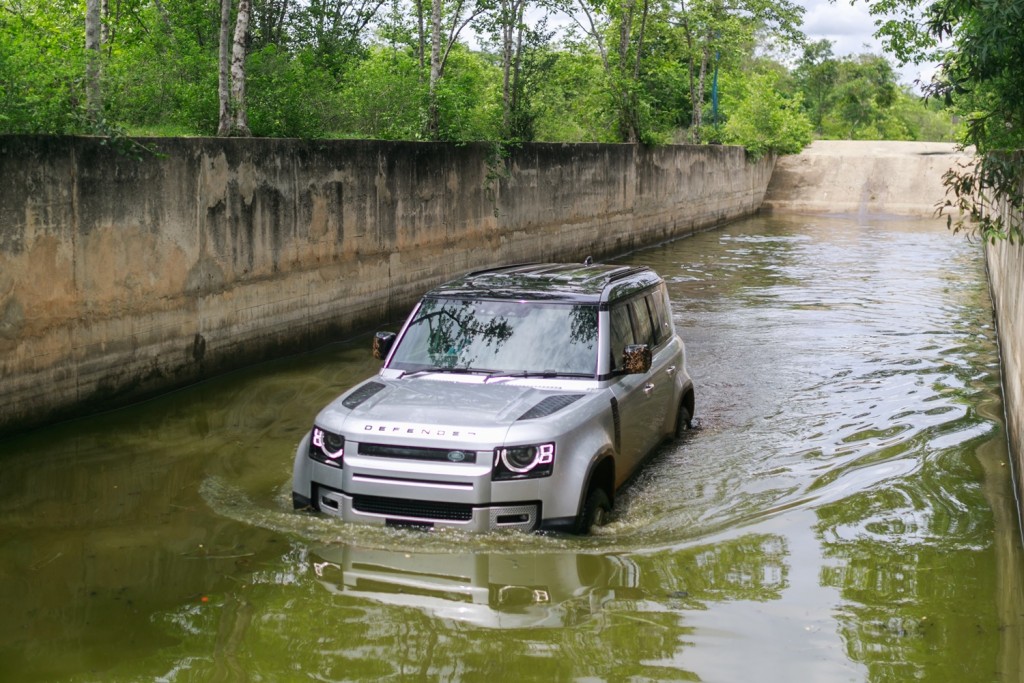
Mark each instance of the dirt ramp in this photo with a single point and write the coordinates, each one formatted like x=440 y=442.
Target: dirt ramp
x=853 y=176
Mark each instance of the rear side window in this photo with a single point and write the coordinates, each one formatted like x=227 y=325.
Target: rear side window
x=660 y=314
x=643 y=329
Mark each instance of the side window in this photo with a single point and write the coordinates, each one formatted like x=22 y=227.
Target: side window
x=660 y=314
x=642 y=321
x=622 y=333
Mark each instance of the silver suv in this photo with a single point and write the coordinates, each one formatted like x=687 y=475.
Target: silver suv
x=515 y=398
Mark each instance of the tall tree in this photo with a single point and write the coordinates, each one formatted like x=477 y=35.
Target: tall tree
x=816 y=73
x=224 y=70
x=522 y=49
x=445 y=28
x=233 y=116
x=240 y=121
x=725 y=30
x=624 y=22
x=980 y=50
x=93 y=57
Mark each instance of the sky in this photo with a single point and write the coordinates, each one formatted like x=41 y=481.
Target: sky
x=850 y=29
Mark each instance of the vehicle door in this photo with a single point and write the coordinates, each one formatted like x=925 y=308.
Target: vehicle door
x=658 y=384
x=636 y=395
x=667 y=362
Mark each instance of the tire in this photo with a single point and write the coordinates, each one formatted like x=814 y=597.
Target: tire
x=596 y=511
x=684 y=421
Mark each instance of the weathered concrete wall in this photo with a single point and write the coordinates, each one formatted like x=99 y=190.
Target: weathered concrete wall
x=855 y=176
x=1006 y=276
x=122 y=277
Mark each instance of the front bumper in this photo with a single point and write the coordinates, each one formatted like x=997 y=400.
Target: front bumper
x=381 y=511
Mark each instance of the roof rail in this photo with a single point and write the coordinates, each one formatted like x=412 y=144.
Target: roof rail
x=497 y=269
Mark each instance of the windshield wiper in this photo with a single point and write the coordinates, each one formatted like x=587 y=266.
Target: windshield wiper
x=548 y=374
x=453 y=371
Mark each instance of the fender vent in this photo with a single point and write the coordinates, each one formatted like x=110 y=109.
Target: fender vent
x=361 y=394
x=550 y=405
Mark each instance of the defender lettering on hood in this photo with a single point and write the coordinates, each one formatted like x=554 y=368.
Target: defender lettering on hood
x=513 y=398
x=418 y=431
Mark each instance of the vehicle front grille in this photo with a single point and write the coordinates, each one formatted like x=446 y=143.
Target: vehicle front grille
x=415 y=509
x=417 y=453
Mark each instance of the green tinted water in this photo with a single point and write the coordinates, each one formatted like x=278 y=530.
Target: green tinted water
x=843 y=512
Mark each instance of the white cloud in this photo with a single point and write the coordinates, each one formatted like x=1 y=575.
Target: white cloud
x=851 y=29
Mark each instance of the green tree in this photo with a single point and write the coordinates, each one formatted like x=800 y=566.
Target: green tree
x=864 y=91
x=817 y=73
x=384 y=96
x=767 y=122
x=617 y=29
x=571 y=100
x=42 y=67
x=980 y=49
x=723 y=32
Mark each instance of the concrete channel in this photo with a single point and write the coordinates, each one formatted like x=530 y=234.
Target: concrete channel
x=841 y=512
x=123 y=276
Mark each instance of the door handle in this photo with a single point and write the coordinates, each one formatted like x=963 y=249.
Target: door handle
x=648 y=388
x=670 y=371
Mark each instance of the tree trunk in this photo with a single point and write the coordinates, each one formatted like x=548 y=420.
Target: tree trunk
x=224 y=74
x=506 y=67
x=240 y=122
x=93 y=56
x=433 y=122
x=421 y=38
x=698 y=96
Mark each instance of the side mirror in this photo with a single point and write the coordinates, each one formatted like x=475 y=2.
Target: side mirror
x=382 y=343
x=636 y=359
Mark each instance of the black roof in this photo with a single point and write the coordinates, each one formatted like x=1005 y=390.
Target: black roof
x=573 y=282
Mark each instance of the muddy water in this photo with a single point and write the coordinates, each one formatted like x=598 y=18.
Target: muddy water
x=843 y=511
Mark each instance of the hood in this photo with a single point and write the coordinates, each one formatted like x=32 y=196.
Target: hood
x=423 y=401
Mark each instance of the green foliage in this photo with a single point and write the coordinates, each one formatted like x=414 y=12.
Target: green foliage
x=571 y=102
x=858 y=98
x=818 y=72
x=289 y=97
x=42 y=66
x=980 y=49
x=767 y=122
x=468 y=98
x=384 y=96
x=330 y=68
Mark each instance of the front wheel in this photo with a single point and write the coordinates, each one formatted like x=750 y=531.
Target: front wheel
x=597 y=510
x=684 y=420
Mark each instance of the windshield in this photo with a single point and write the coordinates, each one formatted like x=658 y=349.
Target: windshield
x=500 y=337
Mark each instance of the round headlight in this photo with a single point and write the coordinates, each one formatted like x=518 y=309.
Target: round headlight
x=324 y=444
x=333 y=442
x=520 y=459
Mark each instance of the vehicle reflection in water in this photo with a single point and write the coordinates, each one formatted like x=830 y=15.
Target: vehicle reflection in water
x=484 y=589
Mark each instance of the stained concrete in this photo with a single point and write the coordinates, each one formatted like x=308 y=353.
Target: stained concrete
x=1006 y=275
x=126 y=272
x=854 y=176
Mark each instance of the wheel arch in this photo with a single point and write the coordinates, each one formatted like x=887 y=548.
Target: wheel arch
x=601 y=474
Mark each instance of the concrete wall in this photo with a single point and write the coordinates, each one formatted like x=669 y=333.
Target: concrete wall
x=855 y=176
x=1006 y=276
x=121 y=277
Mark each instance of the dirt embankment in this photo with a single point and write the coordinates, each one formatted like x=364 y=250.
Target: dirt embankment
x=848 y=176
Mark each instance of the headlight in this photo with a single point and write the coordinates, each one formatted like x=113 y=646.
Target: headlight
x=326 y=447
x=523 y=462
